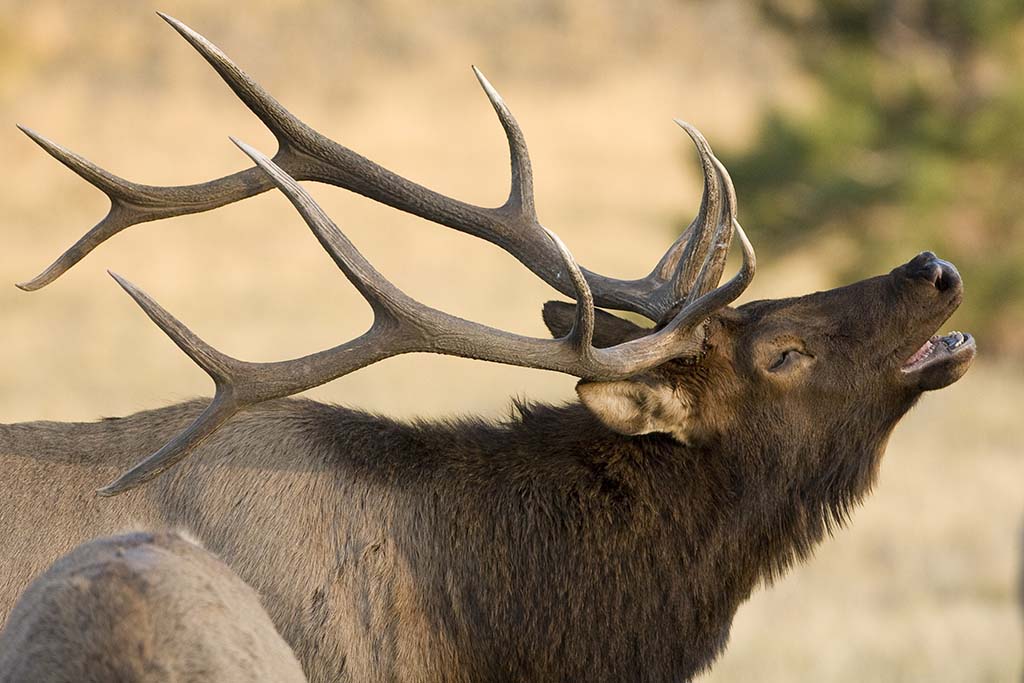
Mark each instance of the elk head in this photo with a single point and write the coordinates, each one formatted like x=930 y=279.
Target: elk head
x=803 y=390
x=695 y=375
x=866 y=344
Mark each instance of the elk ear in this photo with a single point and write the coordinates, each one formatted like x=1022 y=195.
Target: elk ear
x=639 y=406
x=609 y=329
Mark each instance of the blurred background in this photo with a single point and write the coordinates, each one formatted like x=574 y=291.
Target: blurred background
x=858 y=134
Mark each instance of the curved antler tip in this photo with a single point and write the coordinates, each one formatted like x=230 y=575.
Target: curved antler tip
x=141 y=298
x=36 y=137
x=108 y=491
x=44 y=278
x=185 y=31
x=124 y=482
x=691 y=130
x=126 y=285
x=748 y=248
x=480 y=77
x=245 y=147
x=492 y=94
x=261 y=159
x=170 y=20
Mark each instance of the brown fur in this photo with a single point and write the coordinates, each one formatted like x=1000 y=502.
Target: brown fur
x=142 y=607
x=547 y=547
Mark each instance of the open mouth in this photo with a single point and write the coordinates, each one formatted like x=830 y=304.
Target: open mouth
x=938 y=349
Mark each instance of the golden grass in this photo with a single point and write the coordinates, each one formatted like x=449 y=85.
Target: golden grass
x=920 y=586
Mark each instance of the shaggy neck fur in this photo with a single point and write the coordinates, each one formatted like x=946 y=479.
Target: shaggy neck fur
x=550 y=544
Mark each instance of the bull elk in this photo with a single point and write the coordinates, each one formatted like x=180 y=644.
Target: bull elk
x=142 y=607
x=611 y=538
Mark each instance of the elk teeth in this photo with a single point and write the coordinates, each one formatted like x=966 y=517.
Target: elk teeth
x=955 y=339
x=926 y=350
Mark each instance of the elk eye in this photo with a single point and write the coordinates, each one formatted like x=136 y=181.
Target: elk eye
x=785 y=359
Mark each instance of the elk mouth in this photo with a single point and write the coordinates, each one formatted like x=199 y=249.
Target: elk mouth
x=940 y=361
x=937 y=349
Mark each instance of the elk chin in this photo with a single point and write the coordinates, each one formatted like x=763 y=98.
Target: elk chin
x=940 y=361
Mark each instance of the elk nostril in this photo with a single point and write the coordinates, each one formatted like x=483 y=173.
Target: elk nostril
x=940 y=274
x=929 y=267
x=929 y=271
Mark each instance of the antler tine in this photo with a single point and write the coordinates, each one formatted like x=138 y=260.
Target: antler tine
x=581 y=336
x=702 y=230
x=714 y=262
x=669 y=264
x=286 y=127
x=218 y=366
x=212 y=418
x=221 y=368
x=132 y=203
x=669 y=261
x=401 y=325
x=520 y=196
x=725 y=294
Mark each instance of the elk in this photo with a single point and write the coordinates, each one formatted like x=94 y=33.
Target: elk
x=142 y=606
x=610 y=538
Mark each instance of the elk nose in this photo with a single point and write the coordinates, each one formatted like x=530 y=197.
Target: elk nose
x=927 y=266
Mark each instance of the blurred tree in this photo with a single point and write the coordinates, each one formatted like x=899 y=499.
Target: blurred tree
x=917 y=141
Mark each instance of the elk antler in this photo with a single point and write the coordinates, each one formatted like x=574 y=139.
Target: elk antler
x=403 y=325
x=690 y=268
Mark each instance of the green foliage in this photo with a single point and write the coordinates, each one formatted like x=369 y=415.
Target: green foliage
x=917 y=142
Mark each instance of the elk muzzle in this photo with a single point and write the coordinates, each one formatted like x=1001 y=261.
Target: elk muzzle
x=936 y=292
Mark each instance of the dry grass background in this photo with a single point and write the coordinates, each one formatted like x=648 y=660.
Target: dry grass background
x=920 y=587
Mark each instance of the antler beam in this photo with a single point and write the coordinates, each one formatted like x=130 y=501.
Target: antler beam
x=696 y=258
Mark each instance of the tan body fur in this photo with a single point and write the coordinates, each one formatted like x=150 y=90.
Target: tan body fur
x=141 y=608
